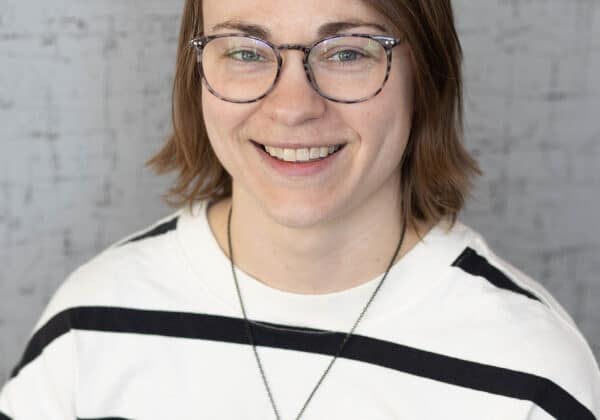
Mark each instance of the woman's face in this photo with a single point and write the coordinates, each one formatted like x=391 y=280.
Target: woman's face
x=374 y=132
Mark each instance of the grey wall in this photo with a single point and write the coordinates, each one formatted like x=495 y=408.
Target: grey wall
x=533 y=119
x=84 y=101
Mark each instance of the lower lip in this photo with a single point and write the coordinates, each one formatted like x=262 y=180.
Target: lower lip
x=298 y=169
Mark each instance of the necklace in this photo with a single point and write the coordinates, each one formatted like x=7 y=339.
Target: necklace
x=251 y=338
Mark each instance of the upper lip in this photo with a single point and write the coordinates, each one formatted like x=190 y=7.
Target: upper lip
x=297 y=145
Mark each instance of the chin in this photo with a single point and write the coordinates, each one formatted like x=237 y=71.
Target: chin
x=295 y=214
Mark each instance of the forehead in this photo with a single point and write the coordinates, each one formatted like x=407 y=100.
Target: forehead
x=289 y=19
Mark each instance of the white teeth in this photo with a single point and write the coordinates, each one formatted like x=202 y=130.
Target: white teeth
x=289 y=155
x=301 y=155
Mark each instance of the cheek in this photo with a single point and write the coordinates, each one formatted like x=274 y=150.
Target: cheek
x=393 y=114
x=223 y=120
x=386 y=119
x=216 y=118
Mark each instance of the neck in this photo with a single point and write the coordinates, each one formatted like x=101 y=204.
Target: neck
x=315 y=259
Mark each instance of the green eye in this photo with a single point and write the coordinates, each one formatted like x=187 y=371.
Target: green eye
x=347 y=55
x=246 y=55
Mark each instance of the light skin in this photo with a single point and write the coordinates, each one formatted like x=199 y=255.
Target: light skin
x=334 y=230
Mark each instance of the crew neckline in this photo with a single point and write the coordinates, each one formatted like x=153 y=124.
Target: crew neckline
x=409 y=279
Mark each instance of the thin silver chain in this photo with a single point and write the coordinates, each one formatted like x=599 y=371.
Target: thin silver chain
x=251 y=338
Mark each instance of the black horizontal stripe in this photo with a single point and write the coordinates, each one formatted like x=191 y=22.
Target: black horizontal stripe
x=473 y=263
x=477 y=376
x=103 y=418
x=158 y=230
x=5 y=417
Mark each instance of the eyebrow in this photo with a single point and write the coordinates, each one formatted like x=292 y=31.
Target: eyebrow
x=330 y=28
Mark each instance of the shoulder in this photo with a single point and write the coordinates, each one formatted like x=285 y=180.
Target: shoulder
x=119 y=273
x=512 y=321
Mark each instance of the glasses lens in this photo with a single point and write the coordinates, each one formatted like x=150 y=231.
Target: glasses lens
x=238 y=68
x=348 y=68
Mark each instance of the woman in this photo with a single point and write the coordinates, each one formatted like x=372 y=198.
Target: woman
x=316 y=268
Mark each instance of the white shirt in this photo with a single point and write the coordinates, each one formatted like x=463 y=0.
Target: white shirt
x=152 y=329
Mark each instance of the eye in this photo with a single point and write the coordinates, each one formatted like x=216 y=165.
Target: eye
x=346 y=55
x=246 y=55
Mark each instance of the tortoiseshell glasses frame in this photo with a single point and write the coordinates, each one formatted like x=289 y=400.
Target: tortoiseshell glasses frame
x=386 y=42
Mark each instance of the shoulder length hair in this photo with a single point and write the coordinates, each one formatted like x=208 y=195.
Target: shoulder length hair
x=436 y=170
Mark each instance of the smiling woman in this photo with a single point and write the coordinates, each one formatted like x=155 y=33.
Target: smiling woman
x=316 y=267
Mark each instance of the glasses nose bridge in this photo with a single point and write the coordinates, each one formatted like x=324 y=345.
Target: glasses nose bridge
x=299 y=47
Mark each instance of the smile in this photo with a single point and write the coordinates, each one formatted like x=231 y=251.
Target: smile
x=302 y=154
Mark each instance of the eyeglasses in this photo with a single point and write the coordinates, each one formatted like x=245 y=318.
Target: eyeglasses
x=345 y=68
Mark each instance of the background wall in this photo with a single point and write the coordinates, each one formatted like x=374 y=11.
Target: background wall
x=85 y=101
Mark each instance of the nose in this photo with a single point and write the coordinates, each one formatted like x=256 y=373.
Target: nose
x=293 y=100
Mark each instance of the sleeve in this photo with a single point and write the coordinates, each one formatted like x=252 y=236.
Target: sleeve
x=572 y=391
x=43 y=384
x=576 y=411
x=556 y=351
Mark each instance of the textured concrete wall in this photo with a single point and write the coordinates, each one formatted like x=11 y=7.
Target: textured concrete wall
x=532 y=73
x=84 y=101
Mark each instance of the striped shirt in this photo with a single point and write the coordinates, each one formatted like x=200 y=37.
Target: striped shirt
x=152 y=329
